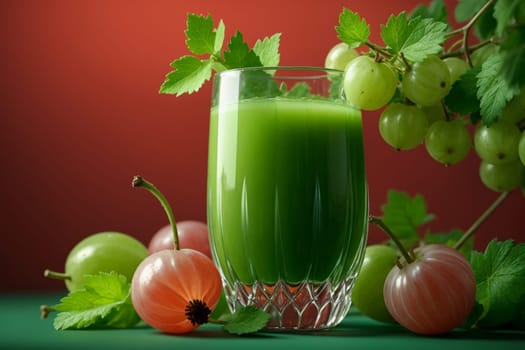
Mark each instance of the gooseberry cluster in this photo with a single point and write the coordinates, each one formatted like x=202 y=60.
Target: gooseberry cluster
x=412 y=96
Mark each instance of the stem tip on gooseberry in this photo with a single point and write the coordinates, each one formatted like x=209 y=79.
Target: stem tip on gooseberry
x=45 y=310
x=56 y=275
x=197 y=312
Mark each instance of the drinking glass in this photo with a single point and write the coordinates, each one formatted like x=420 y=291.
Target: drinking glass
x=287 y=198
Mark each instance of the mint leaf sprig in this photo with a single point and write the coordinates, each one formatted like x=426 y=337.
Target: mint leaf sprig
x=105 y=303
x=206 y=45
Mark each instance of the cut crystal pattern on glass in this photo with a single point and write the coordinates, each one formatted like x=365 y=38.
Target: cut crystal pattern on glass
x=305 y=306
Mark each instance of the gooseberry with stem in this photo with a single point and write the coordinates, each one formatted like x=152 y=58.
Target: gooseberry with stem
x=100 y=252
x=192 y=234
x=432 y=289
x=174 y=290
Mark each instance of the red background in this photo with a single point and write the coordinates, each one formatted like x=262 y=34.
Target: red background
x=80 y=114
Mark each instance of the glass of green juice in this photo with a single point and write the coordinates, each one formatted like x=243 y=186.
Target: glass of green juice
x=287 y=197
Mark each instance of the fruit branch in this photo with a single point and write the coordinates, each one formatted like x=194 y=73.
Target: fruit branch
x=138 y=181
x=379 y=223
x=480 y=220
x=465 y=30
x=379 y=49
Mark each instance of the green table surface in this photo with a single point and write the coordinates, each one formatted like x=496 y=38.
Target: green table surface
x=22 y=328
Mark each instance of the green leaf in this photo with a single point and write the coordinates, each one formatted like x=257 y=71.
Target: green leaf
x=298 y=90
x=450 y=240
x=462 y=98
x=189 y=75
x=436 y=10
x=494 y=91
x=426 y=38
x=500 y=282
x=239 y=54
x=513 y=52
x=395 y=32
x=466 y=9
x=219 y=37
x=504 y=11
x=248 y=319
x=221 y=311
x=104 y=302
x=268 y=50
x=404 y=215
x=336 y=86
x=200 y=34
x=485 y=26
x=352 y=29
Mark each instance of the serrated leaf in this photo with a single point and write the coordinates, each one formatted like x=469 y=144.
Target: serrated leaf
x=189 y=75
x=200 y=34
x=462 y=97
x=514 y=65
x=426 y=38
x=239 y=55
x=352 y=29
x=466 y=9
x=485 y=26
x=104 y=302
x=436 y=10
x=513 y=51
x=504 y=11
x=450 y=240
x=493 y=90
x=268 y=50
x=298 y=90
x=404 y=215
x=219 y=37
x=248 y=319
x=395 y=32
x=500 y=282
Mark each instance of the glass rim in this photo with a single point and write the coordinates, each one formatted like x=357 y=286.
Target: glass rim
x=284 y=68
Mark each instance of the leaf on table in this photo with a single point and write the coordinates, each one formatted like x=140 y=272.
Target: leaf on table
x=248 y=319
x=104 y=302
x=500 y=282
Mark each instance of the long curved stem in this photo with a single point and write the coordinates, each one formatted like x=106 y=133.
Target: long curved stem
x=138 y=181
x=481 y=219
x=379 y=223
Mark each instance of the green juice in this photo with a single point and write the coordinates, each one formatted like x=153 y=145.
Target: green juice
x=287 y=194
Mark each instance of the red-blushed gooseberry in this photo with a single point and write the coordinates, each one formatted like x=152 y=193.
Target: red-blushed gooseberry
x=192 y=235
x=433 y=294
x=174 y=291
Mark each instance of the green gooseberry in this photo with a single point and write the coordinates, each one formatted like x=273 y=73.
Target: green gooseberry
x=101 y=252
x=367 y=294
